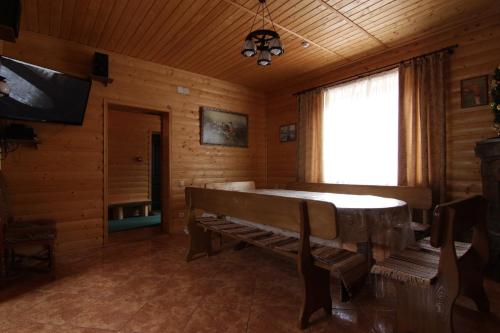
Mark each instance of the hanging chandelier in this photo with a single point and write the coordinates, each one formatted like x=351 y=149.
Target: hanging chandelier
x=266 y=42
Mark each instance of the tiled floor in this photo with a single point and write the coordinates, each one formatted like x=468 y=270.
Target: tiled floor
x=147 y=286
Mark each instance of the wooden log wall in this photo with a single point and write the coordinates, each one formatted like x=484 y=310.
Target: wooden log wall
x=63 y=178
x=129 y=139
x=477 y=54
x=282 y=156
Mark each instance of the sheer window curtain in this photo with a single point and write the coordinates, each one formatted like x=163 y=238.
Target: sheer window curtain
x=360 y=131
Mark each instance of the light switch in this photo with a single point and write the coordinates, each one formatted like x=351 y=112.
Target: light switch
x=183 y=90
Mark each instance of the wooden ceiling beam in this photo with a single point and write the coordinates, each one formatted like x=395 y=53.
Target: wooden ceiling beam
x=237 y=5
x=350 y=22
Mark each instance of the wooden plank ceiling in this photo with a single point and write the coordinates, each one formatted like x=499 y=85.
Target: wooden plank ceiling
x=205 y=36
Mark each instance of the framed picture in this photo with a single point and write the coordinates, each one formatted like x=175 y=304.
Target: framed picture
x=474 y=91
x=288 y=132
x=223 y=128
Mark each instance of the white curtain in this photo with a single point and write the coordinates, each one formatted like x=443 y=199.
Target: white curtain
x=360 y=131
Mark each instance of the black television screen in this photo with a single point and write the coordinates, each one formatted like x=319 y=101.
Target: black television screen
x=41 y=94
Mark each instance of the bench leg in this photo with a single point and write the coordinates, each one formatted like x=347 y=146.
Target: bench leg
x=240 y=246
x=200 y=242
x=472 y=279
x=118 y=213
x=145 y=210
x=424 y=309
x=478 y=295
x=3 y=261
x=9 y=260
x=52 y=260
x=316 y=293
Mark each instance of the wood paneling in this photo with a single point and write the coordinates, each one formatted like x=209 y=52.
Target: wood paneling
x=205 y=36
x=476 y=55
x=63 y=178
x=129 y=138
x=281 y=156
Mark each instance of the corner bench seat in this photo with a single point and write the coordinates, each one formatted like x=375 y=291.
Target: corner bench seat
x=433 y=274
x=341 y=263
x=418 y=264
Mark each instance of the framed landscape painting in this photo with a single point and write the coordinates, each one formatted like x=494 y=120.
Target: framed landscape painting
x=219 y=127
x=474 y=91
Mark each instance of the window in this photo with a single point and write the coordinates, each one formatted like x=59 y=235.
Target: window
x=360 y=131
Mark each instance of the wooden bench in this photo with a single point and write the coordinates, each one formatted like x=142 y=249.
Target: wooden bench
x=306 y=218
x=417 y=198
x=118 y=206
x=232 y=186
x=432 y=274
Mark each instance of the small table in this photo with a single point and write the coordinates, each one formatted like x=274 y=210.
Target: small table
x=118 y=207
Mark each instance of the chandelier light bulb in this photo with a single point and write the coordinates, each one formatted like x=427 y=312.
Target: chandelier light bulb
x=276 y=47
x=249 y=49
x=264 y=58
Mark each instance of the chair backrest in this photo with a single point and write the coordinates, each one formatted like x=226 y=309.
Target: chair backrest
x=275 y=211
x=453 y=218
x=4 y=202
x=415 y=197
x=232 y=186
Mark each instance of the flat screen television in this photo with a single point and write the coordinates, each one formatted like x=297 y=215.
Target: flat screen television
x=42 y=94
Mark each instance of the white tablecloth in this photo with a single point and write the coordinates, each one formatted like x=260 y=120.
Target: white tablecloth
x=360 y=218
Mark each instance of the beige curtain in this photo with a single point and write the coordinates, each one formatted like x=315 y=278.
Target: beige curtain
x=422 y=124
x=310 y=138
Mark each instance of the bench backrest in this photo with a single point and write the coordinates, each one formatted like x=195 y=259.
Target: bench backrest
x=275 y=211
x=450 y=221
x=454 y=218
x=415 y=197
x=232 y=186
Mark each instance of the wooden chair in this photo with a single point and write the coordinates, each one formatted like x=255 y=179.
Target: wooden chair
x=306 y=218
x=431 y=275
x=16 y=234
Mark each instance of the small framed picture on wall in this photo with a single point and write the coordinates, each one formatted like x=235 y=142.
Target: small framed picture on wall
x=288 y=132
x=474 y=91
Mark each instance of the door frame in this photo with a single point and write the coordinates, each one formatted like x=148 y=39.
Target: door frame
x=151 y=133
x=165 y=154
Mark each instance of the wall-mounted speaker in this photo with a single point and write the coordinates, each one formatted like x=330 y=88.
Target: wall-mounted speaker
x=10 y=16
x=100 y=66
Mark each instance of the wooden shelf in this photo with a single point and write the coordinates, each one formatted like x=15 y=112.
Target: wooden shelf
x=35 y=142
x=103 y=79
